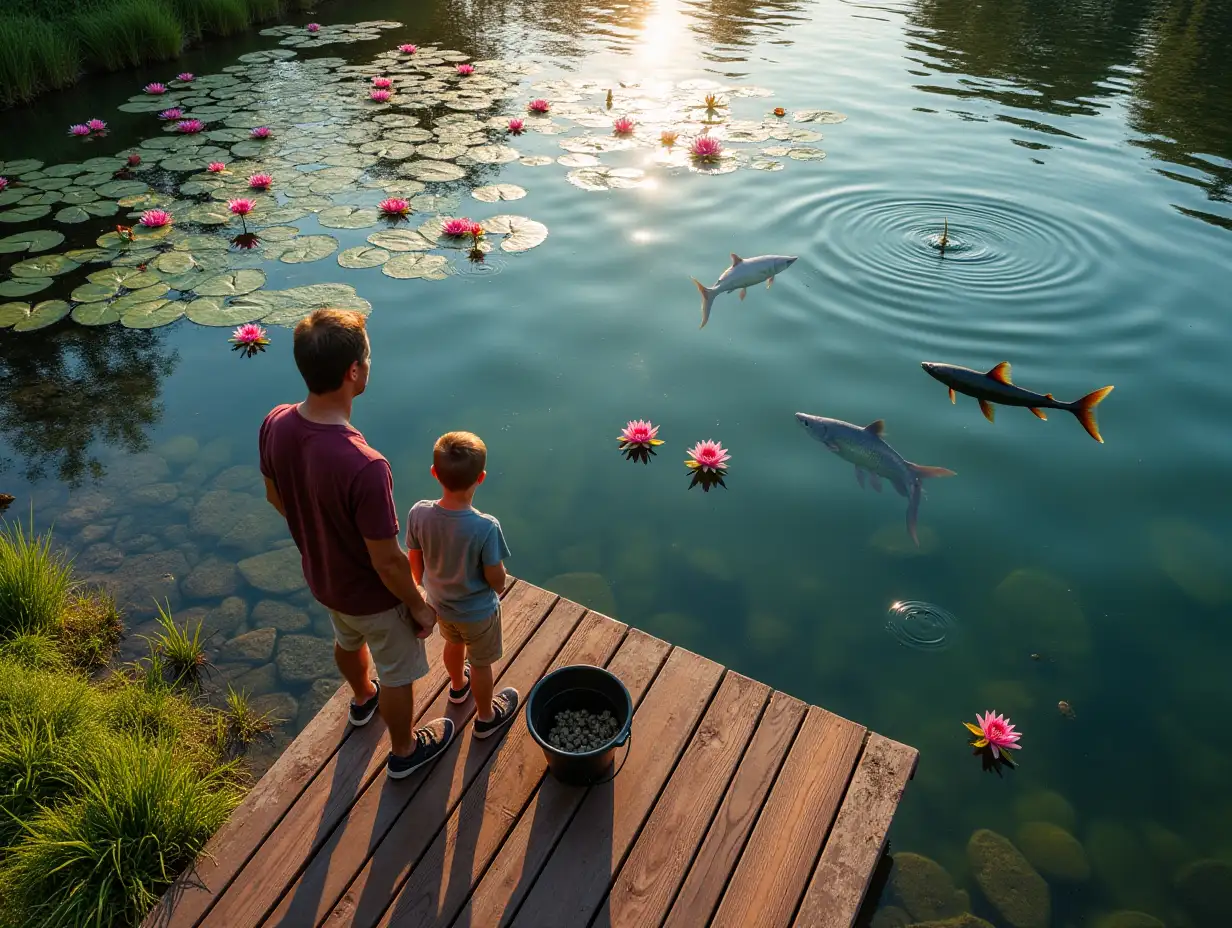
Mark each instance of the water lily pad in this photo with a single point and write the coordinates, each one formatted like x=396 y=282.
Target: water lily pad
x=388 y=150
x=24 y=286
x=536 y=161
x=806 y=154
x=232 y=283
x=95 y=313
x=42 y=315
x=208 y=214
x=765 y=164
x=93 y=293
x=574 y=160
x=175 y=262
x=821 y=116
x=151 y=315
x=521 y=234
x=493 y=193
x=78 y=195
x=401 y=240
x=137 y=297
x=92 y=255
x=101 y=208
x=409 y=135
x=20 y=166
x=123 y=188
x=309 y=248
x=348 y=217
x=12 y=313
x=430 y=171
x=493 y=154
x=33 y=241
x=441 y=151
x=363 y=256
x=416 y=266
x=605 y=178
x=211 y=311
x=24 y=213
x=44 y=266
x=72 y=214
x=595 y=144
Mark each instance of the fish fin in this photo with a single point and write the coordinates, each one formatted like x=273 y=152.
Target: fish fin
x=913 y=512
x=1084 y=409
x=1049 y=396
x=859 y=476
x=708 y=295
x=953 y=398
x=769 y=281
x=736 y=259
x=924 y=470
x=1039 y=413
x=874 y=481
x=877 y=427
x=989 y=413
x=743 y=293
x=1001 y=373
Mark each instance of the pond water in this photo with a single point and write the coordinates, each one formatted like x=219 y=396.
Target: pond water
x=1078 y=156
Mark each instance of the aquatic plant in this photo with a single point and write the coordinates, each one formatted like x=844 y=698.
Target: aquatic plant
x=380 y=96
x=779 y=111
x=248 y=339
x=708 y=456
x=313 y=27
x=182 y=651
x=133 y=160
x=35 y=581
x=539 y=106
x=155 y=88
x=260 y=132
x=244 y=724
x=623 y=126
x=639 y=433
x=457 y=228
x=713 y=101
x=4 y=182
x=241 y=206
x=96 y=125
x=394 y=207
x=79 y=129
x=408 y=49
x=260 y=181
x=706 y=148
x=516 y=127
x=995 y=732
x=382 y=83
x=216 y=167
x=668 y=137
x=189 y=126
x=186 y=77
x=174 y=113
x=465 y=70
x=155 y=218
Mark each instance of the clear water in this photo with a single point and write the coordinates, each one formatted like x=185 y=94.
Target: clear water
x=1081 y=154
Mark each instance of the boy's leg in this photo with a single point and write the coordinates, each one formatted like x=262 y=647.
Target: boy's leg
x=484 y=647
x=454 y=659
x=481 y=686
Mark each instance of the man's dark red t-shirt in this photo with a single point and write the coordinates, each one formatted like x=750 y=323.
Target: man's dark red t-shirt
x=337 y=491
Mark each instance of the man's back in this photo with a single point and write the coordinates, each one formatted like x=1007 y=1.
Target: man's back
x=337 y=491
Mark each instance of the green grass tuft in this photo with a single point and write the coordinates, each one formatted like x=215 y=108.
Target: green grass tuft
x=244 y=724
x=90 y=629
x=260 y=11
x=181 y=653
x=35 y=650
x=127 y=33
x=34 y=56
x=35 y=582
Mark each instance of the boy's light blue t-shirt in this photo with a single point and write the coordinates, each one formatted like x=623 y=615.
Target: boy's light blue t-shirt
x=457 y=544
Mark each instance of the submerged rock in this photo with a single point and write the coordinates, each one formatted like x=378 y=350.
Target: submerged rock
x=279 y=615
x=317 y=696
x=217 y=511
x=589 y=589
x=138 y=470
x=922 y=887
x=179 y=451
x=95 y=533
x=1194 y=559
x=154 y=494
x=1120 y=861
x=277 y=571
x=146 y=579
x=1054 y=852
x=281 y=707
x=1128 y=919
x=302 y=658
x=1008 y=880
x=966 y=920
x=100 y=556
x=263 y=679
x=1205 y=890
x=1041 y=613
x=211 y=458
x=83 y=507
x=890 y=916
x=222 y=621
x=243 y=477
x=212 y=578
x=1044 y=805
x=255 y=646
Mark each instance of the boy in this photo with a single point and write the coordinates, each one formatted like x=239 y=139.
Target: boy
x=457 y=553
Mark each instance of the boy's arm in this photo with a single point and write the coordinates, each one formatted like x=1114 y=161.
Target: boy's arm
x=496 y=576
x=415 y=556
x=493 y=558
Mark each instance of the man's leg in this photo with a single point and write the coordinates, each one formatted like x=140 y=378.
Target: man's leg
x=397 y=708
x=356 y=667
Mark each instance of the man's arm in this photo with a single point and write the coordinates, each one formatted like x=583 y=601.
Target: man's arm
x=271 y=494
x=415 y=556
x=496 y=576
x=391 y=564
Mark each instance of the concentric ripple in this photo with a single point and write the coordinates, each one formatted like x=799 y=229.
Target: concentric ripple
x=921 y=625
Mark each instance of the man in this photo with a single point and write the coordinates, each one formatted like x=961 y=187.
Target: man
x=336 y=494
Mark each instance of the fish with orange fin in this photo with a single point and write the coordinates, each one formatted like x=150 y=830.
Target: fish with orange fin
x=995 y=386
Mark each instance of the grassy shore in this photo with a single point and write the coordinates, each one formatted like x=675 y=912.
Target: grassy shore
x=47 y=44
x=112 y=779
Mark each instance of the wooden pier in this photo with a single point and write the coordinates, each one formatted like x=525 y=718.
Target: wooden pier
x=738 y=806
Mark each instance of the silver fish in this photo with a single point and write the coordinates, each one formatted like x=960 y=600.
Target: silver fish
x=743 y=273
x=872 y=456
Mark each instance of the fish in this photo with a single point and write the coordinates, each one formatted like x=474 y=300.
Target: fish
x=995 y=386
x=867 y=449
x=743 y=273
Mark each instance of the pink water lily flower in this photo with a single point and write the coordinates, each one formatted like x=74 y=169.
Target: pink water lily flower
x=668 y=137
x=516 y=126
x=465 y=70
x=174 y=113
x=155 y=218
x=155 y=88
x=186 y=77
x=382 y=83
x=241 y=206
x=394 y=206
x=247 y=334
x=313 y=27
x=380 y=96
x=539 y=106
x=708 y=456
x=706 y=148
x=261 y=132
x=639 y=433
x=97 y=125
x=623 y=126
x=994 y=732
x=460 y=227
x=216 y=167
x=4 y=182
x=408 y=49
x=133 y=160
x=260 y=181
x=189 y=126
x=79 y=129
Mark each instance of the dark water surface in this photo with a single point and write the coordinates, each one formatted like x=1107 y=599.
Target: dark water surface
x=1081 y=154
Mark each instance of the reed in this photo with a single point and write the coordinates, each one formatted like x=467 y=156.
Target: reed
x=34 y=56
x=181 y=650
x=128 y=33
x=35 y=582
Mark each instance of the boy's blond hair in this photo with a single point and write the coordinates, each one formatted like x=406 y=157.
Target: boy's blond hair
x=459 y=458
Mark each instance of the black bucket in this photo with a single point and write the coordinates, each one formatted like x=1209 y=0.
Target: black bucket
x=579 y=686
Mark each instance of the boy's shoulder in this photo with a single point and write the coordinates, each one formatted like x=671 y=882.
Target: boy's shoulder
x=486 y=517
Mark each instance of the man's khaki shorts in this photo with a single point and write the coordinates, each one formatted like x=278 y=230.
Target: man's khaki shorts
x=484 y=639
x=399 y=656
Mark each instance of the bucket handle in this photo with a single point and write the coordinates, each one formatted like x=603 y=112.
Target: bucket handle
x=628 y=743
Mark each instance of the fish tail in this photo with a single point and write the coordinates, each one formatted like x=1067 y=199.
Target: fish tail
x=923 y=470
x=1084 y=409
x=708 y=295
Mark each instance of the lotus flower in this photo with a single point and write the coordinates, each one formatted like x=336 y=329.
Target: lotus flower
x=261 y=132
x=155 y=218
x=668 y=137
x=994 y=732
x=248 y=339
x=408 y=49
x=394 y=207
x=539 y=106
x=189 y=126
x=174 y=113
x=133 y=160
x=97 y=125
x=779 y=111
x=639 y=434
x=713 y=101
x=380 y=96
x=313 y=27
x=706 y=148
x=4 y=182
x=79 y=129
x=186 y=77
x=382 y=83
x=465 y=70
x=155 y=88
x=459 y=227
x=216 y=167
x=241 y=206
x=623 y=126
x=708 y=456
x=260 y=181
x=516 y=127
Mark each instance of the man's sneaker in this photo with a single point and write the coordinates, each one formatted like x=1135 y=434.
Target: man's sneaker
x=459 y=696
x=504 y=708
x=430 y=743
x=361 y=715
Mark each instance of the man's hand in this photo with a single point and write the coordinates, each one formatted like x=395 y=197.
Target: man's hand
x=389 y=561
x=423 y=614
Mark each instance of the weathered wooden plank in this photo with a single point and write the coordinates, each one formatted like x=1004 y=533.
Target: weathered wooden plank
x=725 y=839
x=328 y=800
x=513 y=872
x=858 y=836
x=441 y=881
x=657 y=865
x=777 y=862
x=576 y=878
x=333 y=864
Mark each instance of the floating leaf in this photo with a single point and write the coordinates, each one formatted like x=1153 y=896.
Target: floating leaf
x=71 y=214
x=79 y=195
x=175 y=262
x=493 y=193
x=595 y=144
x=765 y=164
x=33 y=241
x=232 y=283
x=821 y=116
x=44 y=266
x=493 y=154
x=577 y=161
x=408 y=135
x=211 y=311
x=208 y=214
x=388 y=150
x=137 y=297
x=441 y=152
x=430 y=171
x=412 y=265
x=521 y=234
x=363 y=256
x=24 y=286
x=151 y=315
x=92 y=255
x=101 y=208
x=42 y=315
x=20 y=166
x=536 y=161
x=93 y=293
x=348 y=217
x=123 y=188
x=605 y=178
x=24 y=213
x=94 y=313
x=309 y=248
x=401 y=240
x=12 y=313
x=806 y=154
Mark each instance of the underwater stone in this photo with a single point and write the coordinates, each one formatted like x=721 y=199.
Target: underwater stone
x=100 y=556
x=1122 y=864
x=225 y=618
x=1194 y=559
x=1009 y=881
x=1045 y=805
x=84 y=507
x=281 y=707
x=890 y=916
x=1205 y=890
x=176 y=535
x=279 y=615
x=242 y=477
x=145 y=579
x=256 y=530
x=277 y=571
x=302 y=658
x=217 y=512
x=317 y=696
x=966 y=920
x=138 y=470
x=211 y=458
x=255 y=646
x=258 y=680
x=94 y=533
x=1054 y=852
x=1128 y=919
x=179 y=451
x=1042 y=613
x=154 y=494
x=142 y=544
x=589 y=589
x=212 y=578
x=922 y=886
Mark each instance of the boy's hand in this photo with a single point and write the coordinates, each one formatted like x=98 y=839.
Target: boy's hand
x=424 y=616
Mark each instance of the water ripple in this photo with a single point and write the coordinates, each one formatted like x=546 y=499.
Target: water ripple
x=921 y=626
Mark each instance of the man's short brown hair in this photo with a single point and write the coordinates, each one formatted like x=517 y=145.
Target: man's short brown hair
x=327 y=343
x=460 y=458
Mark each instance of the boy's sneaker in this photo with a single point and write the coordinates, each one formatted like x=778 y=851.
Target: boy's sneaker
x=430 y=743
x=504 y=708
x=360 y=715
x=459 y=696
